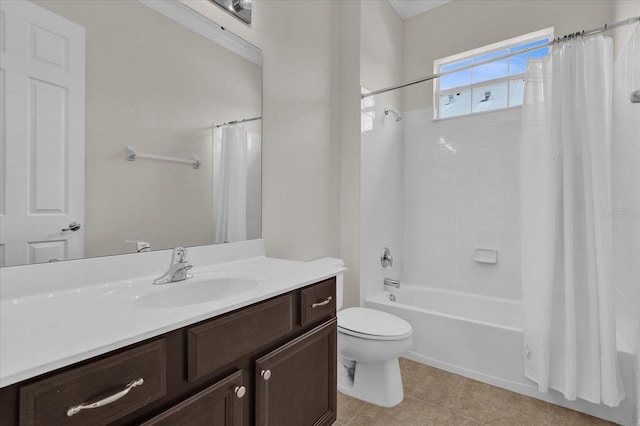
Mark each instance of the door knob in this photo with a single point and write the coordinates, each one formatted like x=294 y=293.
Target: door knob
x=73 y=226
x=240 y=391
x=266 y=374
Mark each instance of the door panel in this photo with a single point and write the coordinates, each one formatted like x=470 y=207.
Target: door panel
x=48 y=144
x=46 y=251
x=42 y=82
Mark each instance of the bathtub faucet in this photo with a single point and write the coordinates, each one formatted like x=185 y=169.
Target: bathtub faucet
x=392 y=283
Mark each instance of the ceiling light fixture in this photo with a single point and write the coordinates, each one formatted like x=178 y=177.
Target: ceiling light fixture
x=241 y=9
x=239 y=5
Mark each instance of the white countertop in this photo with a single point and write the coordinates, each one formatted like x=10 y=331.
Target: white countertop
x=42 y=332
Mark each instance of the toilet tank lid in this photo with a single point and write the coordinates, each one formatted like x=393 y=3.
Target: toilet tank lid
x=372 y=322
x=333 y=261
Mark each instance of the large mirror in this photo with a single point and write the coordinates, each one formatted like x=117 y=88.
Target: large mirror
x=113 y=134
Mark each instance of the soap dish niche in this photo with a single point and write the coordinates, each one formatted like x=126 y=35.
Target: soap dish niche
x=486 y=255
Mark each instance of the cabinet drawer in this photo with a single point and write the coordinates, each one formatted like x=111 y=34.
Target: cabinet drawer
x=318 y=302
x=47 y=402
x=219 y=342
x=219 y=404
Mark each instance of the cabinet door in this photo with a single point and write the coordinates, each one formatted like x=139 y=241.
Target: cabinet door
x=296 y=383
x=217 y=405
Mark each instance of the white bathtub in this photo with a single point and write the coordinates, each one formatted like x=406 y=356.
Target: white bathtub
x=481 y=337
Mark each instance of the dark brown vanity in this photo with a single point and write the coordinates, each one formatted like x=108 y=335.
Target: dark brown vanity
x=270 y=363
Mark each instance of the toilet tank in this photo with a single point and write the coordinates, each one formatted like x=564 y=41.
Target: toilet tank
x=332 y=261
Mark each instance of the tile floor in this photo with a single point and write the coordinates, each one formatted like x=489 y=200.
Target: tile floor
x=436 y=397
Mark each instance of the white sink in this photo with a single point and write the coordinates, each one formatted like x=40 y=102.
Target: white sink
x=202 y=288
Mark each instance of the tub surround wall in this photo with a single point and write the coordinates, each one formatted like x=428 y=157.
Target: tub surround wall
x=461 y=191
x=381 y=201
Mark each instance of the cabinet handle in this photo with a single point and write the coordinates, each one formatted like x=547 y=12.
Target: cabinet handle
x=266 y=374
x=323 y=303
x=106 y=401
x=240 y=391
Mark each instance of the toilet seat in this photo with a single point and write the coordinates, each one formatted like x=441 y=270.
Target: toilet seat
x=372 y=324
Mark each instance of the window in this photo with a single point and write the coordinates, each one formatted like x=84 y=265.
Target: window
x=367 y=111
x=495 y=85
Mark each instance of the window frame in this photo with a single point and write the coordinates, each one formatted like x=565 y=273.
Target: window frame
x=546 y=33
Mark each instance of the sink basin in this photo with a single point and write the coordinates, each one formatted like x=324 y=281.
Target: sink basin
x=202 y=288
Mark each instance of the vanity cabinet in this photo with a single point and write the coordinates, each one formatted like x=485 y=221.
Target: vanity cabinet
x=270 y=363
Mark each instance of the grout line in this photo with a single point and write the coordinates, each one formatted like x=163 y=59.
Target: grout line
x=472 y=419
x=356 y=413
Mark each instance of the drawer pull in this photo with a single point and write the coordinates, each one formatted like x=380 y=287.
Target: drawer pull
x=106 y=401
x=325 y=302
x=240 y=391
x=266 y=374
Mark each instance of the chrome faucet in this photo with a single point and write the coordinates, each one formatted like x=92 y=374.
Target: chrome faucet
x=179 y=268
x=392 y=283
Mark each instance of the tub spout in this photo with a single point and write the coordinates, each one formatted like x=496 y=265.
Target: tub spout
x=392 y=283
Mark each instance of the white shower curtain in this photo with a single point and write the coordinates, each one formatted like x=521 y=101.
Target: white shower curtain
x=230 y=184
x=569 y=318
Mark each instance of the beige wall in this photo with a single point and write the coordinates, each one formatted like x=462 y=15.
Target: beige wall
x=462 y=25
x=624 y=9
x=311 y=132
x=381 y=49
x=159 y=86
x=301 y=144
x=349 y=124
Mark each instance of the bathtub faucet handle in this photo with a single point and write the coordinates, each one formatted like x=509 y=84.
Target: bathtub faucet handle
x=392 y=283
x=385 y=258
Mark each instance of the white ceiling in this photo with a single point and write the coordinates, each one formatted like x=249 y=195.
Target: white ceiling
x=408 y=8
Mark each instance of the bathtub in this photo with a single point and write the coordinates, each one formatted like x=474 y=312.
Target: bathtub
x=481 y=337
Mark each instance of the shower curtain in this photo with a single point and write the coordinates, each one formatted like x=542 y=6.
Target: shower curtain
x=569 y=318
x=230 y=184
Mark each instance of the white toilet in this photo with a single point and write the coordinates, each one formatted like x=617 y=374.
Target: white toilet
x=369 y=344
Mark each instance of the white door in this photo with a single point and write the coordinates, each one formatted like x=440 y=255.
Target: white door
x=42 y=73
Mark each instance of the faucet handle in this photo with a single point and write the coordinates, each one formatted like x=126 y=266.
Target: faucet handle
x=385 y=258
x=179 y=255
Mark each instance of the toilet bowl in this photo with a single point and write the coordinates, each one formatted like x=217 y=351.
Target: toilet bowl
x=369 y=344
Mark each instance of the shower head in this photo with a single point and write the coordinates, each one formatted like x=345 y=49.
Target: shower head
x=388 y=110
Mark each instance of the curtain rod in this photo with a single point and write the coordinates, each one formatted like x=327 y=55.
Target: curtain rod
x=594 y=31
x=230 y=123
